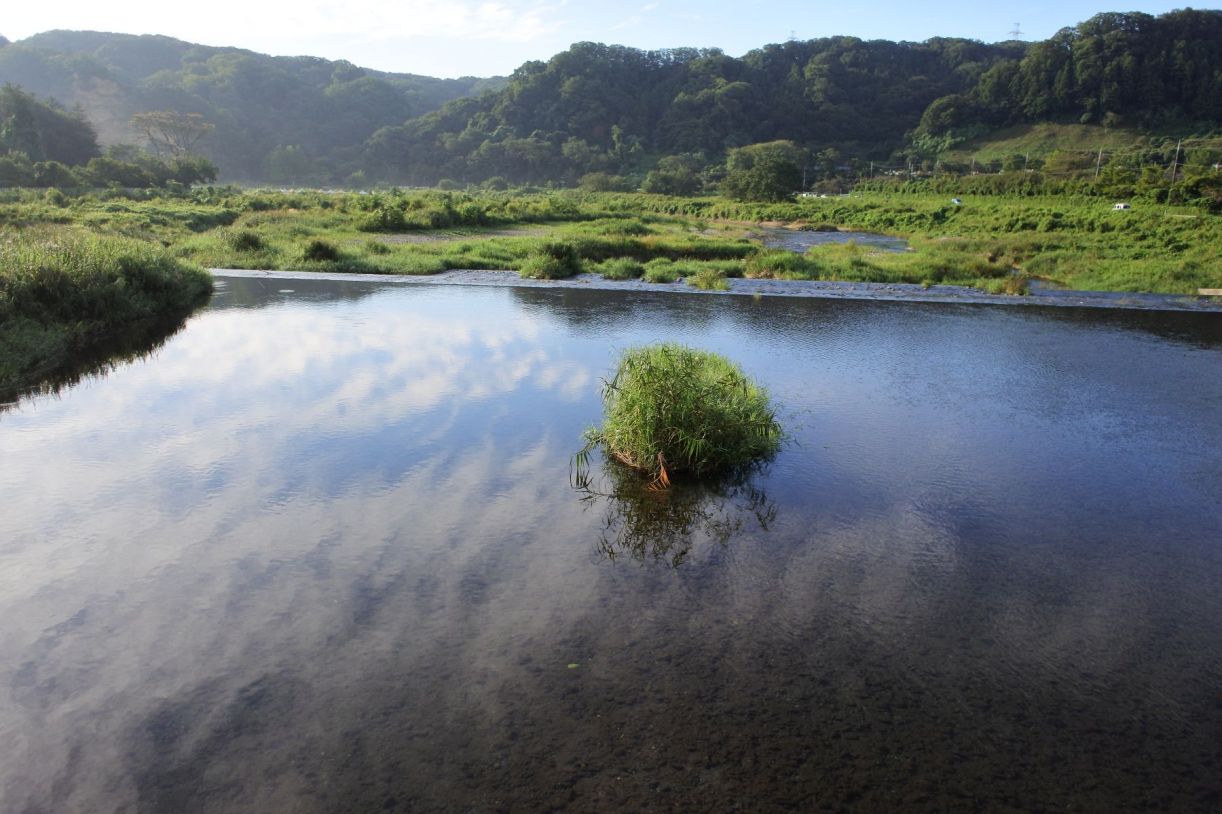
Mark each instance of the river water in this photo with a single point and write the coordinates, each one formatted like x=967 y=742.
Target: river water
x=321 y=551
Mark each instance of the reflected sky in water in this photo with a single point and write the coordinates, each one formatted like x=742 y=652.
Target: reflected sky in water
x=320 y=552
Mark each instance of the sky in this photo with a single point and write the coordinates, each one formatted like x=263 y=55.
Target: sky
x=492 y=37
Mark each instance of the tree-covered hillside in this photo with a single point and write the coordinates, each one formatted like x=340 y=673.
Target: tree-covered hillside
x=616 y=111
x=1113 y=69
x=43 y=132
x=276 y=118
x=672 y=121
x=609 y=108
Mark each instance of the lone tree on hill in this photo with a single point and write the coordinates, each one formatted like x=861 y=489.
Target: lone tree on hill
x=172 y=132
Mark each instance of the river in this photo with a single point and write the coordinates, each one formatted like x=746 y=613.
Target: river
x=321 y=551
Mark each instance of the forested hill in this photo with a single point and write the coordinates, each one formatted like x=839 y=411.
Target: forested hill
x=618 y=116
x=275 y=117
x=615 y=110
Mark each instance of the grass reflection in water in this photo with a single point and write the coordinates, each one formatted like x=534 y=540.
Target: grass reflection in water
x=647 y=524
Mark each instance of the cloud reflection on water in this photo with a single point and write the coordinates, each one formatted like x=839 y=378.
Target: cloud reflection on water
x=320 y=552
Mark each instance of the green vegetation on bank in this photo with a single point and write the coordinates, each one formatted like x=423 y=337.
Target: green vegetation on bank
x=671 y=410
x=62 y=291
x=994 y=242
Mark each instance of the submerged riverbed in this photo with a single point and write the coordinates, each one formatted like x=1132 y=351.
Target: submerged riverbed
x=321 y=552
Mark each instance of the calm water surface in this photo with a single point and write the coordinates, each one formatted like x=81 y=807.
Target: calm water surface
x=320 y=552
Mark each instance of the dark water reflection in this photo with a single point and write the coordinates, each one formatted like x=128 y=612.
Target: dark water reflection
x=321 y=553
x=652 y=525
x=139 y=341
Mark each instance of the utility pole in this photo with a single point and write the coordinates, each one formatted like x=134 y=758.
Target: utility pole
x=1099 y=162
x=1174 y=166
x=1026 y=160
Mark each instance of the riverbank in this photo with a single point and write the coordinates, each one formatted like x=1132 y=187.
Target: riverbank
x=66 y=294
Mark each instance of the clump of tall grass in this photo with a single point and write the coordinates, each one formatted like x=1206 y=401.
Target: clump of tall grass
x=1014 y=284
x=782 y=265
x=553 y=260
x=620 y=268
x=709 y=279
x=671 y=409
x=632 y=227
x=661 y=270
x=245 y=240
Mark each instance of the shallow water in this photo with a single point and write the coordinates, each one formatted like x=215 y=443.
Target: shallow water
x=799 y=240
x=320 y=552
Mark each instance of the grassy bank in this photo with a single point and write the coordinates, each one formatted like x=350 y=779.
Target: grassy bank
x=63 y=291
x=1075 y=242
x=993 y=242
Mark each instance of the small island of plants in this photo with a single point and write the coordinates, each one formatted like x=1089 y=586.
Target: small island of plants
x=671 y=409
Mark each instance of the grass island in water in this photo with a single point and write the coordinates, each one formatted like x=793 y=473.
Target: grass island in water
x=671 y=409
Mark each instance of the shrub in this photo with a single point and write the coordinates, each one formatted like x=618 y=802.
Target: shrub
x=554 y=260
x=386 y=218
x=245 y=241
x=673 y=409
x=320 y=251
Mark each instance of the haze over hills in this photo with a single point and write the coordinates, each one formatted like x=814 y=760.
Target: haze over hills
x=258 y=103
x=627 y=115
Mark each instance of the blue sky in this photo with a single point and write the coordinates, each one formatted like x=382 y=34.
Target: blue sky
x=485 y=37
